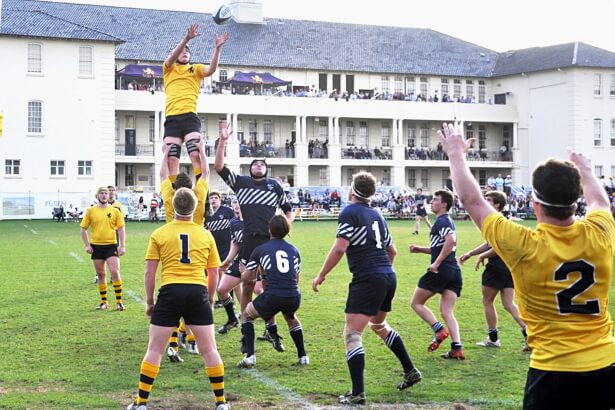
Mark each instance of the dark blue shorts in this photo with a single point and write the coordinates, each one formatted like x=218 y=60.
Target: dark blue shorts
x=446 y=278
x=233 y=270
x=497 y=277
x=370 y=294
x=250 y=242
x=181 y=125
x=104 y=252
x=182 y=300
x=268 y=305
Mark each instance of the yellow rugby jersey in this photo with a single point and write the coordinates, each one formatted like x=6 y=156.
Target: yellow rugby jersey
x=104 y=222
x=201 y=189
x=186 y=250
x=118 y=205
x=562 y=277
x=181 y=85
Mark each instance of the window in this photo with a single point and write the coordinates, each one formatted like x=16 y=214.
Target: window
x=399 y=84
x=481 y=91
x=129 y=175
x=612 y=86
x=12 y=167
x=84 y=168
x=411 y=136
x=445 y=175
x=456 y=88
x=117 y=129
x=597 y=85
x=598 y=171
x=412 y=178
x=469 y=88
x=267 y=131
x=152 y=128
x=35 y=58
x=386 y=135
x=424 y=134
x=35 y=117
x=323 y=130
x=597 y=132
x=613 y=134
x=85 y=61
x=424 y=86
x=363 y=136
x=130 y=122
x=57 y=168
x=410 y=85
x=482 y=177
x=444 y=86
x=425 y=179
x=386 y=176
x=223 y=77
x=253 y=133
x=469 y=131
x=349 y=175
x=384 y=83
x=350 y=134
x=323 y=177
x=482 y=138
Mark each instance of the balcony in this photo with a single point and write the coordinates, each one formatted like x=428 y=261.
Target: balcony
x=137 y=150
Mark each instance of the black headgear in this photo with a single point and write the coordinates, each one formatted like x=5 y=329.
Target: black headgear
x=266 y=167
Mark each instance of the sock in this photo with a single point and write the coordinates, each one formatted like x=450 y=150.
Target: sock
x=272 y=328
x=117 y=288
x=229 y=307
x=190 y=338
x=146 y=380
x=493 y=334
x=182 y=331
x=247 y=328
x=394 y=342
x=173 y=340
x=172 y=178
x=456 y=345
x=296 y=333
x=436 y=327
x=216 y=379
x=356 y=365
x=102 y=288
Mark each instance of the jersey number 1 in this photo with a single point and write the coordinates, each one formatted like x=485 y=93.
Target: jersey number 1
x=185 y=239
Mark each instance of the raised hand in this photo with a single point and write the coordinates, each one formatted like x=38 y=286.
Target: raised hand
x=220 y=40
x=193 y=31
x=452 y=139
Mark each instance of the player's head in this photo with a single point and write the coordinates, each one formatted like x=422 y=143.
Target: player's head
x=419 y=191
x=182 y=181
x=442 y=197
x=184 y=202
x=363 y=186
x=497 y=199
x=557 y=186
x=184 y=56
x=111 y=189
x=214 y=198
x=258 y=168
x=102 y=195
x=279 y=226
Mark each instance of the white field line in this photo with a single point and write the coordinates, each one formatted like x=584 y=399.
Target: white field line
x=77 y=257
x=292 y=397
x=52 y=242
x=26 y=226
x=33 y=231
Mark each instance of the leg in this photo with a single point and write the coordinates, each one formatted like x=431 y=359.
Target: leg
x=508 y=301
x=192 y=141
x=417 y=224
x=174 y=153
x=296 y=333
x=355 y=354
x=114 y=267
x=99 y=267
x=491 y=316
x=447 y=307
x=227 y=283
x=426 y=218
x=214 y=368
x=247 y=327
x=419 y=299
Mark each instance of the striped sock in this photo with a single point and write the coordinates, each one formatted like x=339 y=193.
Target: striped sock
x=216 y=379
x=436 y=327
x=394 y=342
x=173 y=340
x=146 y=380
x=297 y=335
x=117 y=288
x=102 y=288
x=356 y=365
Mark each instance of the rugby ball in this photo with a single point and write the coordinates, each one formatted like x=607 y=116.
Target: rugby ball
x=222 y=15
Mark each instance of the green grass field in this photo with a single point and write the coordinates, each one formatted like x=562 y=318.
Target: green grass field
x=60 y=353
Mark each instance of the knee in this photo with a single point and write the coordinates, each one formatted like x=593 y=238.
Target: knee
x=352 y=339
x=381 y=329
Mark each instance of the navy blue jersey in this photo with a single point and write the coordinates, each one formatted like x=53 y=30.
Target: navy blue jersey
x=368 y=236
x=280 y=265
x=442 y=227
x=420 y=201
x=236 y=225
x=219 y=226
x=258 y=200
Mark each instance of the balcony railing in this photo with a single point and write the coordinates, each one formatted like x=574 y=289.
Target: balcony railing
x=135 y=150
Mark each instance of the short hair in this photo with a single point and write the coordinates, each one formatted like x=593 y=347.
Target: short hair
x=101 y=189
x=184 y=201
x=446 y=197
x=110 y=186
x=182 y=181
x=279 y=226
x=557 y=182
x=216 y=193
x=498 y=198
x=363 y=186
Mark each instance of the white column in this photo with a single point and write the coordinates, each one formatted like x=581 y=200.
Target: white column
x=301 y=153
x=158 y=136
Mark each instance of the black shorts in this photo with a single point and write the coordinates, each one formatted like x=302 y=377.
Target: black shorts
x=370 y=294
x=268 y=305
x=421 y=212
x=181 y=125
x=570 y=390
x=497 y=277
x=182 y=300
x=104 y=252
x=446 y=278
x=233 y=270
x=250 y=242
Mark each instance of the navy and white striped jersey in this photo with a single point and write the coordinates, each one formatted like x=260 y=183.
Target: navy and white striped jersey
x=220 y=227
x=236 y=225
x=368 y=236
x=442 y=227
x=258 y=200
x=280 y=265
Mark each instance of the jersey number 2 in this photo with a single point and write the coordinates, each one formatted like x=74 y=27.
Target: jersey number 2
x=185 y=239
x=587 y=279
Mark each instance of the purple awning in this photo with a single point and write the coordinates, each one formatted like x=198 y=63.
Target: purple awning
x=254 y=78
x=141 y=70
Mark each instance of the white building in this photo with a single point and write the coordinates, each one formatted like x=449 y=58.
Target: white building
x=71 y=123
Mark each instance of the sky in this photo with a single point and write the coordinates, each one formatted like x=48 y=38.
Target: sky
x=494 y=24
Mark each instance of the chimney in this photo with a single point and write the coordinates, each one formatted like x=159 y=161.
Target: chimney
x=246 y=11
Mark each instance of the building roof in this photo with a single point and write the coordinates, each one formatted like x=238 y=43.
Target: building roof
x=149 y=35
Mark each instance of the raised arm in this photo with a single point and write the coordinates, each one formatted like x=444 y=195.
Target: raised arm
x=593 y=191
x=219 y=41
x=224 y=136
x=203 y=158
x=455 y=146
x=193 y=31
x=164 y=166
